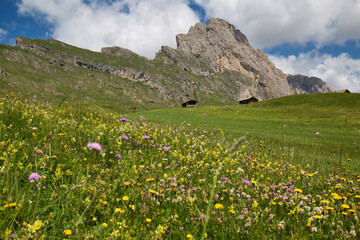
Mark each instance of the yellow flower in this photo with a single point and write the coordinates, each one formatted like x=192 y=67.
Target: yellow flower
x=153 y=191
x=345 y=206
x=94 y=219
x=125 y=198
x=310 y=175
x=148 y=220
x=317 y=216
x=24 y=224
x=104 y=202
x=232 y=211
x=127 y=183
x=150 y=179
x=357 y=196
x=219 y=206
x=351 y=210
x=105 y=224
x=329 y=208
x=119 y=210
x=189 y=236
x=253 y=182
x=231 y=199
x=298 y=190
x=325 y=201
x=344 y=213
x=67 y=232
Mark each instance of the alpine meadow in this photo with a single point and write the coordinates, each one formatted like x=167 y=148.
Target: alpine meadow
x=97 y=145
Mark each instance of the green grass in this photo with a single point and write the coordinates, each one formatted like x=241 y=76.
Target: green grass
x=203 y=187
x=335 y=116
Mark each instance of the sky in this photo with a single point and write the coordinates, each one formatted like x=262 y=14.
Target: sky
x=318 y=38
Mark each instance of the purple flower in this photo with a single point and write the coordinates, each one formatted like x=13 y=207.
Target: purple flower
x=146 y=137
x=142 y=118
x=117 y=155
x=125 y=137
x=123 y=120
x=95 y=146
x=34 y=176
x=224 y=179
x=205 y=114
x=317 y=133
x=246 y=182
x=12 y=235
x=165 y=149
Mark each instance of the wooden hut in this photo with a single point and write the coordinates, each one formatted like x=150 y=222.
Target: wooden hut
x=343 y=91
x=248 y=100
x=191 y=103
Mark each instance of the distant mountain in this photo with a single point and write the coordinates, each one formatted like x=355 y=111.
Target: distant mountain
x=213 y=64
x=300 y=84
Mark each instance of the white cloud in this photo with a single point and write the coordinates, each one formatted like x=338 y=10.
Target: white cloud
x=340 y=72
x=139 y=25
x=268 y=23
x=3 y=33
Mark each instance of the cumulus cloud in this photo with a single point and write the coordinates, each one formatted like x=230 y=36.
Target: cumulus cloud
x=340 y=72
x=268 y=23
x=139 y=25
x=3 y=33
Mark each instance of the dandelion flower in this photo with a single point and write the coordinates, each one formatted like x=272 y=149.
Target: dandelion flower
x=105 y=224
x=318 y=217
x=298 y=190
x=150 y=179
x=219 y=206
x=125 y=198
x=34 y=176
x=345 y=206
x=127 y=183
x=67 y=232
x=148 y=220
x=189 y=236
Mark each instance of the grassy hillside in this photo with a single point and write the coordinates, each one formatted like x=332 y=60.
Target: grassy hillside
x=77 y=174
x=289 y=122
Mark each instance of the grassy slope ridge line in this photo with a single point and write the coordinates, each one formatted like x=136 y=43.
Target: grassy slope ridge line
x=289 y=123
x=146 y=181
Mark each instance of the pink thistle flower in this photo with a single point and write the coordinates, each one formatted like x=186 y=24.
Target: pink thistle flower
x=95 y=146
x=224 y=178
x=165 y=149
x=123 y=120
x=117 y=155
x=142 y=118
x=246 y=182
x=34 y=176
x=317 y=133
x=125 y=137
x=146 y=137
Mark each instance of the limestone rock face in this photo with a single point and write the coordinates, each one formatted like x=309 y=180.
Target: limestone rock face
x=300 y=84
x=225 y=48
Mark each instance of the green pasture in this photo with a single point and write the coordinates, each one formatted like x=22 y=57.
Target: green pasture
x=289 y=124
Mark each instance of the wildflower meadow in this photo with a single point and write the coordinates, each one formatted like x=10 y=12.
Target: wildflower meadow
x=75 y=173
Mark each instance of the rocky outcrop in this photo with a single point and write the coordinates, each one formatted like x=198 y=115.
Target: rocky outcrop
x=220 y=47
x=213 y=63
x=300 y=84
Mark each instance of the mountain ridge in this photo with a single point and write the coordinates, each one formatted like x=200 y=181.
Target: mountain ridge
x=213 y=63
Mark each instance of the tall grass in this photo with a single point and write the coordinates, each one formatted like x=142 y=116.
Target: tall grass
x=118 y=187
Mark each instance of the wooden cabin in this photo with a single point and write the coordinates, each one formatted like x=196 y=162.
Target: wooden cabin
x=343 y=91
x=191 y=103
x=248 y=100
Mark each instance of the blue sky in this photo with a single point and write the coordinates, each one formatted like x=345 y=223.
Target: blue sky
x=315 y=38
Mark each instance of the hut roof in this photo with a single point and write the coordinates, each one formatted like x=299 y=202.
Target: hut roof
x=248 y=98
x=343 y=91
